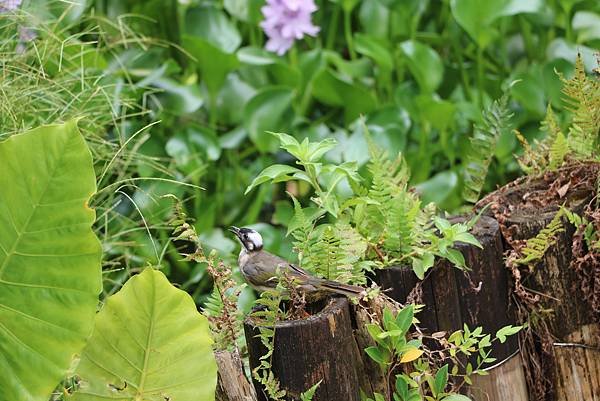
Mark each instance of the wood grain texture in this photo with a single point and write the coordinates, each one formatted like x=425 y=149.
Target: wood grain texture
x=320 y=347
x=232 y=383
x=505 y=382
x=579 y=367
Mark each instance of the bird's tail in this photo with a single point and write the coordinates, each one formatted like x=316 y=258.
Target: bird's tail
x=344 y=289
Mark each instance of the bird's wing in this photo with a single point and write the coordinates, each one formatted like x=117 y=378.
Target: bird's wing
x=263 y=267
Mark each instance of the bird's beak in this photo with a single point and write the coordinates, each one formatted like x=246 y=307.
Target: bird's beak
x=235 y=230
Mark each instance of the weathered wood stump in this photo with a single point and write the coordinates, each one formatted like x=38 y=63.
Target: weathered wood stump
x=479 y=297
x=506 y=381
x=232 y=384
x=320 y=347
x=524 y=208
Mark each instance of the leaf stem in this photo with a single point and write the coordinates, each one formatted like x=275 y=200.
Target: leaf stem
x=348 y=34
x=480 y=75
x=333 y=26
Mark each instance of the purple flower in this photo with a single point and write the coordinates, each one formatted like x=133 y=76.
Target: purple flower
x=9 y=5
x=286 y=21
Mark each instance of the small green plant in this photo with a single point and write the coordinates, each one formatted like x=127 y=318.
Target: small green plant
x=496 y=120
x=398 y=345
x=535 y=248
x=581 y=94
x=380 y=223
x=266 y=319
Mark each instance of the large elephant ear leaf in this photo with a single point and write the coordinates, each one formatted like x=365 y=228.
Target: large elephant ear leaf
x=50 y=274
x=149 y=343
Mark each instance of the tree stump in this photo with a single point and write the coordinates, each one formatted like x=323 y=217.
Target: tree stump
x=524 y=208
x=479 y=297
x=320 y=347
x=232 y=384
x=505 y=382
x=576 y=368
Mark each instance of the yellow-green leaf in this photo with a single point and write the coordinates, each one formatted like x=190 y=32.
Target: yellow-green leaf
x=50 y=273
x=149 y=343
x=411 y=355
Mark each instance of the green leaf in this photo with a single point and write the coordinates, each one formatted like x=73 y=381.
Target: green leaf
x=424 y=64
x=335 y=91
x=467 y=238
x=507 y=331
x=417 y=266
x=275 y=173
x=269 y=110
x=404 y=318
x=374 y=331
x=256 y=56
x=372 y=48
x=214 y=64
x=456 y=257
x=441 y=379
x=587 y=25
x=50 y=274
x=439 y=188
x=149 y=342
x=402 y=387
x=244 y=10
x=376 y=355
x=477 y=17
x=212 y=25
x=310 y=393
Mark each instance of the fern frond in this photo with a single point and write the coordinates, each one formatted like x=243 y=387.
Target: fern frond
x=352 y=248
x=402 y=226
x=302 y=227
x=325 y=254
x=582 y=98
x=390 y=177
x=496 y=120
x=530 y=161
x=558 y=151
x=536 y=247
x=549 y=125
x=213 y=306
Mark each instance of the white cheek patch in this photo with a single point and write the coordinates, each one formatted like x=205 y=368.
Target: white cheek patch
x=255 y=239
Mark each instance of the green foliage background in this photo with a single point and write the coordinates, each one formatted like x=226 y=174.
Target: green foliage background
x=182 y=94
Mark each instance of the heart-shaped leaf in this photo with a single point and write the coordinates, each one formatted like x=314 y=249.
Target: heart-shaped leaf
x=149 y=343
x=50 y=273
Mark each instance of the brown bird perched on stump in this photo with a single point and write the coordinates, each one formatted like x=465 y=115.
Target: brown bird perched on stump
x=261 y=269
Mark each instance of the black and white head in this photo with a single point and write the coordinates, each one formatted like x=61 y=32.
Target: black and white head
x=250 y=239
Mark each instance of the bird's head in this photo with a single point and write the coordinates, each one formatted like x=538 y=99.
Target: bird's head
x=250 y=239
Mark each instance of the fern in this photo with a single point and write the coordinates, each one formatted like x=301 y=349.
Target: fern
x=390 y=177
x=549 y=125
x=558 y=151
x=213 y=306
x=326 y=254
x=310 y=393
x=352 y=248
x=582 y=98
x=402 y=224
x=266 y=320
x=496 y=120
x=530 y=162
x=536 y=247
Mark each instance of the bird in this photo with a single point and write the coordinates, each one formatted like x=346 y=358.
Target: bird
x=261 y=269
